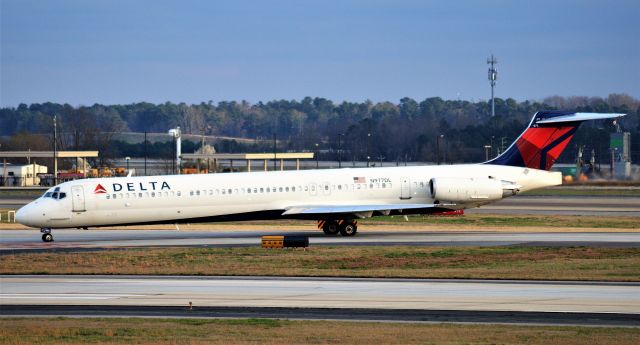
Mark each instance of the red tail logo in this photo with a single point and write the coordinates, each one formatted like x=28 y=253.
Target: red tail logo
x=99 y=190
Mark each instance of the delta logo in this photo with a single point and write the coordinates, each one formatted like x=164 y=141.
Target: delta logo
x=99 y=190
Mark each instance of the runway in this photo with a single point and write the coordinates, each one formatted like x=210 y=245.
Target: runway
x=327 y=298
x=12 y=241
x=624 y=206
x=620 y=206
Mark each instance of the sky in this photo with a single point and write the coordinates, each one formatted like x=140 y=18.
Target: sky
x=83 y=52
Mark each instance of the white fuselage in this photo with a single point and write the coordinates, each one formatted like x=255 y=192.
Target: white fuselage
x=181 y=198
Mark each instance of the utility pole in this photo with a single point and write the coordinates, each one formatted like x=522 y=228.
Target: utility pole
x=145 y=153
x=275 y=147
x=55 y=150
x=340 y=150
x=493 y=76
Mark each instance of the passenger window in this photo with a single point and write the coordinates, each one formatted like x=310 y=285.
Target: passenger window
x=179 y=193
x=153 y=194
x=293 y=189
x=140 y=195
x=339 y=187
x=114 y=195
x=371 y=186
x=108 y=196
x=421 y=184
x=248 y=190
x=255 y=190
x=261 y=190
x=280 y=189
x=286 y=189
x=383 y=185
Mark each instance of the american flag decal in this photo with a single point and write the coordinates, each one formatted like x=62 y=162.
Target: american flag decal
x=359 y=180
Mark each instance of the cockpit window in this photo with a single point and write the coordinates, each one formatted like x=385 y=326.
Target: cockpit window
x=57 y=189
x=47 y=195
x=62 y=196
x=55 y=195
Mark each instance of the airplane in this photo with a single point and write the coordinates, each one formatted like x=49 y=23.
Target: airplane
x=335 y=198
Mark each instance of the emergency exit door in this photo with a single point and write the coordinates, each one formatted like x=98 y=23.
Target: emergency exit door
x=77 y=199
x=405 y=188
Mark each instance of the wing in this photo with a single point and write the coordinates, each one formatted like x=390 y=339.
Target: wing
x=364 y=211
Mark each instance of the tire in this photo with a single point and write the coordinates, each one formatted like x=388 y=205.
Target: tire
x=47 y=238
x=348 y=230
x=331 y=228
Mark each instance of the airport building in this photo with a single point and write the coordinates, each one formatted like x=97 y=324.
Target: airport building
x=21 y=175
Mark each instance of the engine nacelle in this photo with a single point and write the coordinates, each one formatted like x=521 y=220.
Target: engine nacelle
x=466 y=190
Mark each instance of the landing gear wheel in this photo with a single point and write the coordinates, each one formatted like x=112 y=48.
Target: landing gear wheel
x=330 y=227
x=349 y=229
x=47 y=237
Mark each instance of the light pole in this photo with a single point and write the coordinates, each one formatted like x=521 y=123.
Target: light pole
x=486 y=152
x=340 y=150
x=439 y=143
x=317 y=151
x=368 y=146
x=127 y=159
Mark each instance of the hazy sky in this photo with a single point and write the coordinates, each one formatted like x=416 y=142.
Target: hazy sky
x=114 y=52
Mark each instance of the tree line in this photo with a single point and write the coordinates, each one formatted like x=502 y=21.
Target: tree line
x=410 y=130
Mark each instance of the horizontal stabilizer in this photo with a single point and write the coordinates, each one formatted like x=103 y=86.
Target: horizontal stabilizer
x=580 y=117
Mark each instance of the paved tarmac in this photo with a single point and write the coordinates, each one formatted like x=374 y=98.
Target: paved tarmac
x=624 y=206
x=12 y=241
x=621 y=206
x=301 y=297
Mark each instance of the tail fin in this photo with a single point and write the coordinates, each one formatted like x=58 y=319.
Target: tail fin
x=549 y=132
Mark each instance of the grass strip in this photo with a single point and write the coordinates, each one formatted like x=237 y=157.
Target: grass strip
x=267 y=331
x=532 y=263
x=542 y=221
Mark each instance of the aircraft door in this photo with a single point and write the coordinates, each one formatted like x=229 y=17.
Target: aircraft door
x=405 y=188
x=77 y=199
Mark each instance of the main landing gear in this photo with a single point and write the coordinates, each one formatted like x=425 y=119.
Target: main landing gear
x=46 y=235
x=333 y=227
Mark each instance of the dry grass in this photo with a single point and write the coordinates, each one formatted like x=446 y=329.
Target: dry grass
x=538 y=263
x=262 y=331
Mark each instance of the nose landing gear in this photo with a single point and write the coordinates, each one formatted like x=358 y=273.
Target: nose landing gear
x=46 y=235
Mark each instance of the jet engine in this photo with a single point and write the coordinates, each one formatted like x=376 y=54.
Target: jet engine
x=466 y=190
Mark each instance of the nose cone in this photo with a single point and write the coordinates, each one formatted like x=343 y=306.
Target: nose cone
x=25 y=216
